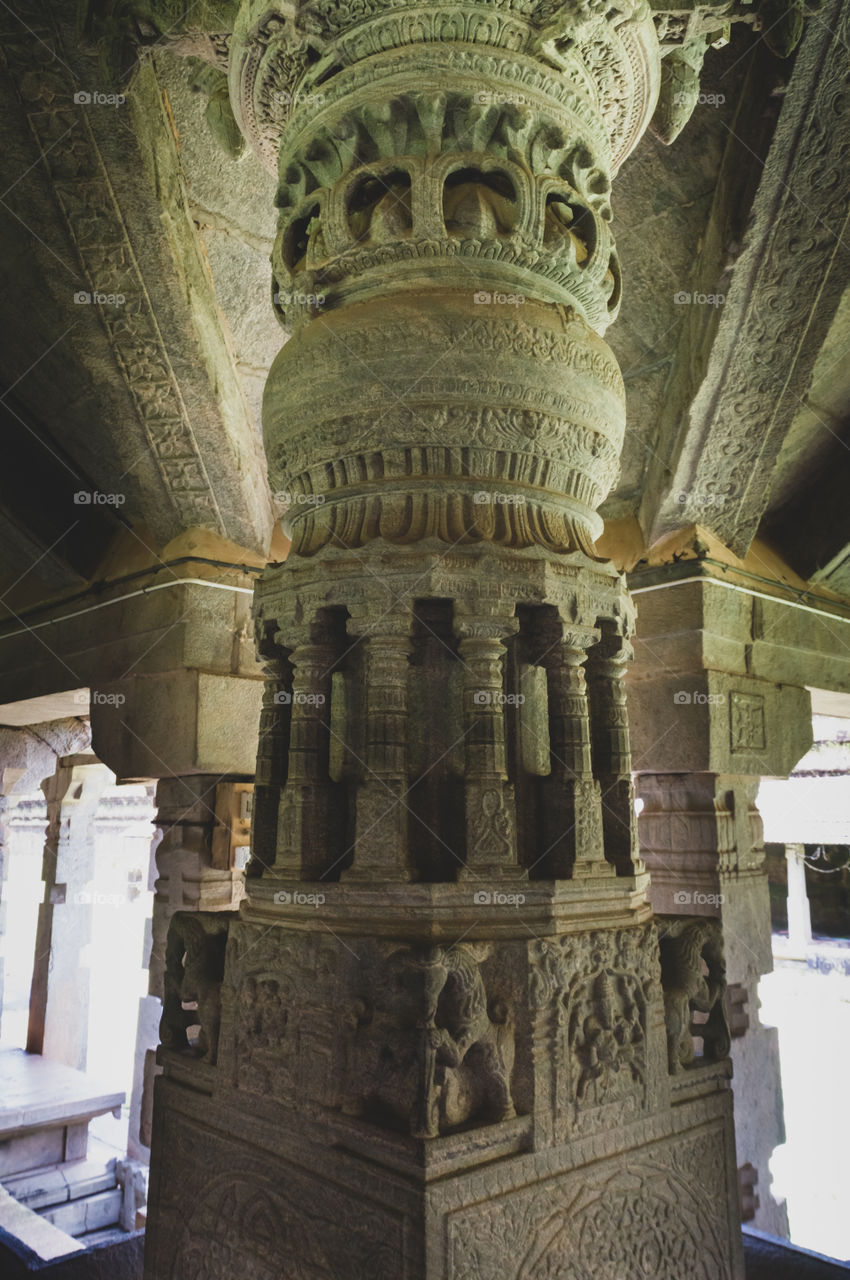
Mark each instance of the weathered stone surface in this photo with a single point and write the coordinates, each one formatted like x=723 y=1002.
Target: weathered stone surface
x=444 y=969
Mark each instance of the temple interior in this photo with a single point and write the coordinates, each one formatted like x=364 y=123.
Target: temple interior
x=424 y=640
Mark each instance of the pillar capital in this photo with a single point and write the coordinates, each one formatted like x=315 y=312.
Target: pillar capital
x=444 y=256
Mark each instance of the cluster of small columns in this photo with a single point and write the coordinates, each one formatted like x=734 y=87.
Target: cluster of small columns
x=334 y=762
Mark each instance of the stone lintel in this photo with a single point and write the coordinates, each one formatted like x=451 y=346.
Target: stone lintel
x=178 y=722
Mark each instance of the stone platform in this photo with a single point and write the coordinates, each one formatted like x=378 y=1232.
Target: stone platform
x=45 y=1109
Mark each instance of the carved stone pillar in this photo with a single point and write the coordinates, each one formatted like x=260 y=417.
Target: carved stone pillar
x=574 y=832
x=606 y=668
x=303 y=822
x=59 y=1001
x=381 y=815
x=184 y=879
x=708 y=723
x=451 y=1017
x=27 y=758
x=491 y=846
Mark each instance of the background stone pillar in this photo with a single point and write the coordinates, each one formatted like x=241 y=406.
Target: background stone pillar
x=27 y=758
x=59 y=1002
x=184 y=879
x=799 y=912
x=706 y=730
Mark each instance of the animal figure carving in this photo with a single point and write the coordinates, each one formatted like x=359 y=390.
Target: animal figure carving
x=194 y=969
x=465 y=1036
x=688 y=946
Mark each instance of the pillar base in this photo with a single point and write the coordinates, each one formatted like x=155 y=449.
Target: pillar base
x=235 y=1196
x=494 y=1104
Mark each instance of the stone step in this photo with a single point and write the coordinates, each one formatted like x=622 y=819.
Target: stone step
x=45 y=1239
x=59 y=1183
x=94 y=1213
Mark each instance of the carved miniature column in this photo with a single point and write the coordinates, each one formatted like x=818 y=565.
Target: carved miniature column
x=381 y=822
x=271 y=765
x=183 y=879
x=302 y=850
x=574 y=829
x=490 y=813
x=606 y=668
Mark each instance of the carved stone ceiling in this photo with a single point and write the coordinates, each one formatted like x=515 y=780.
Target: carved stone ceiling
x=161 y=402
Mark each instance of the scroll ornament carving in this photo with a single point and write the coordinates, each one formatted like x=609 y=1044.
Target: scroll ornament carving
x=644 y=1222
x=72 y=158
x=275 y=57
x=243 y=1221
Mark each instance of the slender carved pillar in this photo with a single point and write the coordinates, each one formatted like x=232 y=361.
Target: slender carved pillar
x=303 y=825
x=381 y=823
x=704 y=736
x=573 y=828
x=799 y=912
x=271 y=765
x=424 y=1038
x=613 y=759
x=491 y=849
